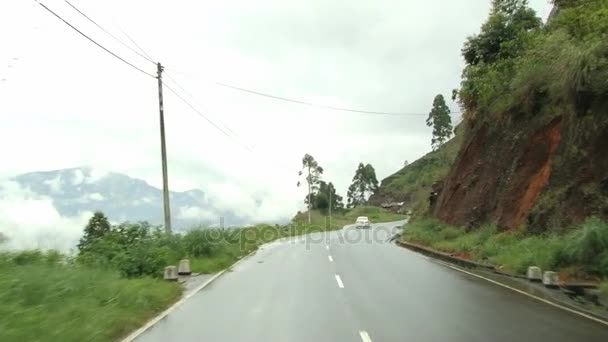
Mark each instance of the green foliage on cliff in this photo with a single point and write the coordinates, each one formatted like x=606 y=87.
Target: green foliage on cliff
x=518 y=66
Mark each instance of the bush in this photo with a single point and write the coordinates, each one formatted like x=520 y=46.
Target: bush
x=589 y=246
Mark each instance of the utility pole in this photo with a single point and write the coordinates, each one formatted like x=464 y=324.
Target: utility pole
x=329 y=187
x=308 y=180
x=163 y=151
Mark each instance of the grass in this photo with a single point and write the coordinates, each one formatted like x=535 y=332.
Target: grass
x=604 y=290
x=50 y=300
x=217 y=262
x=413 y=182
x=585 y=247
x=46 y=296
x=320 y=221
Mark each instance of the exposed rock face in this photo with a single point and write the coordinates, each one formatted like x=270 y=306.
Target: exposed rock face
x=543 y=174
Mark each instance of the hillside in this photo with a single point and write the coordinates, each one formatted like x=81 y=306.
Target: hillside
x=536 y=145
x=529 y=180
x=413 y=183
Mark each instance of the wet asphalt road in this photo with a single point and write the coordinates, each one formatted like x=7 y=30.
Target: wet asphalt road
x=353 y=285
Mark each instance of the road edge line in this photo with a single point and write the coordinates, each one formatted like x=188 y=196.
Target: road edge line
x=576 y=312
x=131 y=337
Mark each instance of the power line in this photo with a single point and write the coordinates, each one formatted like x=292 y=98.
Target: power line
x=315 y=104
x=205 y=117
x=231 y=137
x=94 y=42
x=135 y=43
x=192 y=97
x=311 y=104
x=110 y=33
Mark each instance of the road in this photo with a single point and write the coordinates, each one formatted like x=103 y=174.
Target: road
x=352 y=285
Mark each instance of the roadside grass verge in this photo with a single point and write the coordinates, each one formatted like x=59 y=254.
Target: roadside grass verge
x=115 y=285
x=320 y=220
x=584 y=247
x=604 y=291
x=48 y=298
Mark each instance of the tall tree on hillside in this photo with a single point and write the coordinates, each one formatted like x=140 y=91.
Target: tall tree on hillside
x=500 y=35
x=490 y=55
x=97 y=227
x=313 y=176
x=439 y=118
x=321 y=199
x=364 y=185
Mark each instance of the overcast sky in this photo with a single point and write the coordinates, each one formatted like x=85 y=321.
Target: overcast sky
x=67 y=103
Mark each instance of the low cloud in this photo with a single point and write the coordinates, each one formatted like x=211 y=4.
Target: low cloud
x=96 y=197
x=195 y=213
x=29 y=221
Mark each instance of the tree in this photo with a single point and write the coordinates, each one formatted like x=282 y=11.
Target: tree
x=3 y=238
x=313 y=177
x=326 y=192
x=364 y=185
x=406 y=163
x=439 y=118
x=97 y=228
x=500 y=35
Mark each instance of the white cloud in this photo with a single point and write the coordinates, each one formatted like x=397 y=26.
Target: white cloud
x=95 y=174
x=54 y=184
x=195 y=213
x=96 y=197
x=78 y=177
x=30 y=221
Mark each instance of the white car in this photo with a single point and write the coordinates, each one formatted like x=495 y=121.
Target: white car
x=362 y=222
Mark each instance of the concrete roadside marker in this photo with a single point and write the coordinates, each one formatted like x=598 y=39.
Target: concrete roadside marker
x=184 y=267
x=550 y=279
x=170 y=273
x=535 y=274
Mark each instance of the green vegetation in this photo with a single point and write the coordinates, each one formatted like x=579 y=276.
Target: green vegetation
x=364 y=184
x=439 y=118
x=604 y=291
x=413 y=182
x=46 y=296
x=584 y=247
x=320 y=198
x=339 y=219
x=114 y=284
x=518 y=66
x=313 y=177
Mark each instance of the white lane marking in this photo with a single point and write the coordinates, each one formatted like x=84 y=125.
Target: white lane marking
x=327 y=247
x=330 y=258
x=365 y=336
x=339 y=280
x=524 y=293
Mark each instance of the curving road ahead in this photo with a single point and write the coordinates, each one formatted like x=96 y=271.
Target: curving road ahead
x=352 y=285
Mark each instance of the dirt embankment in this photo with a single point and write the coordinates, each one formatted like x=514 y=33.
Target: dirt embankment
x=546 y=175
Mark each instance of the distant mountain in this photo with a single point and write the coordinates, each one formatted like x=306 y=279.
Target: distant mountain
x=121 y=198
